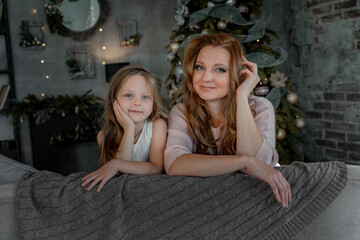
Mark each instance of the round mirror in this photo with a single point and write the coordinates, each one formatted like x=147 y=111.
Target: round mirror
x=78 y=19
x=80 y=15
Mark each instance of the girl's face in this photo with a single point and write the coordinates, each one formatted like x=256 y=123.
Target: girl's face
x=136 y=98
x=211 y=77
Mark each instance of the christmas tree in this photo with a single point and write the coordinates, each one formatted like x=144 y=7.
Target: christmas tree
x=245 y=21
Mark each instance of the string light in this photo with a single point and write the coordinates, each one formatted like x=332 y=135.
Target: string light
x=103 y=62
x=43 y=44
x=47 y=77
x=43 y=94
x=42 y=61
x=100 y=29
x=34 y=11
x=104 y=47
x=257 y=40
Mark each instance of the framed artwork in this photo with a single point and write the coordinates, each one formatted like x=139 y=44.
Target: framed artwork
x=80 y=63
x=32 y=35
x=127 y=34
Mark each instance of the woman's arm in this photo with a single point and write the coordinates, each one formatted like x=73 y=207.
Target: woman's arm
x=255 y=135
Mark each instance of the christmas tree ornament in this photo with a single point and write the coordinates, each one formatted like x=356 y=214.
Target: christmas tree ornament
x=280 y=134
x=205 y=31
x=221 y=24
x=231 y=2
x=291 y=97
x=300 y=122
x=181 y=11
x=179 y=72
x=76 y=109
x=261 y=90
x=210 y=4
x=278 y=79
x=174 y=46
x=243 y=9
x=170 y=57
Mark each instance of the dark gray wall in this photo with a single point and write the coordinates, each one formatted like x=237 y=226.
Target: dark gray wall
x=154 y=20
x=322 y=39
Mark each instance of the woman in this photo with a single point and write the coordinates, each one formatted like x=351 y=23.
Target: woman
x=219 y=117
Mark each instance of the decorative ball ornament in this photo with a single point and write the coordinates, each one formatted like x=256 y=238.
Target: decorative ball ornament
x=170 y=57
x=174 y=46
x=231 y=2
x=243 y=9
x=291 y=97
x=205 y=31
x=210 y=4
x=262 y=90
x=221 y=25
x=280 y=134
x=300 y=122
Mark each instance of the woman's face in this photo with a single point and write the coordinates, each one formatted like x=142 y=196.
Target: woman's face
x=211 y=76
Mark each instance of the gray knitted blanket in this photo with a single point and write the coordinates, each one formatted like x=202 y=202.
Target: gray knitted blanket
x=231 y=206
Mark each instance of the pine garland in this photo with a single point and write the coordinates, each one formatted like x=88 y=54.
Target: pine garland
x=42 y=109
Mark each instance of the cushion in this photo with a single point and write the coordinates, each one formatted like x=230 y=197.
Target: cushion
x=11 y=171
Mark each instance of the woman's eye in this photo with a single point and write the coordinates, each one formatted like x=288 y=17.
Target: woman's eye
x=198 y=67
x=221 y=70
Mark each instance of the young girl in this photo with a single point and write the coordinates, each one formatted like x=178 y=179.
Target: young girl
x=133 y=136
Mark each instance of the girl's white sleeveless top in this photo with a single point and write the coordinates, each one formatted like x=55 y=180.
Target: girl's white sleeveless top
x=141 y=148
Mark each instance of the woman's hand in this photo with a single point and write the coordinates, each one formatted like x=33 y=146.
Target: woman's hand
x=122 y=118
x=271 y=176
x=102 y=175
x=251 y=79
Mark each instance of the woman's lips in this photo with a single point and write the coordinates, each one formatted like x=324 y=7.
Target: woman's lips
x=206 y=88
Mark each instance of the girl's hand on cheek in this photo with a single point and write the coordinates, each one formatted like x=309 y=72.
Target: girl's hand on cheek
x=251 y=79
x=122 y=118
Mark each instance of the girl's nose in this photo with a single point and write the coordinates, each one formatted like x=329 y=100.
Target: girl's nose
x=137 y=101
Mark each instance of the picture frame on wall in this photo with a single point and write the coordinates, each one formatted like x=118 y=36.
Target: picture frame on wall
x=32 y=35
x=80 y=62
x=126 y=31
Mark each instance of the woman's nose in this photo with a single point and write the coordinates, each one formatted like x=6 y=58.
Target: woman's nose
x=207 y=76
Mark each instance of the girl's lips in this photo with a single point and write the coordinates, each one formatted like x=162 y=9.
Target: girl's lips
x=134 y=111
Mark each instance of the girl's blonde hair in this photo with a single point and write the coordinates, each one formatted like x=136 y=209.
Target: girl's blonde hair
x=111 y=129
x=198 y=115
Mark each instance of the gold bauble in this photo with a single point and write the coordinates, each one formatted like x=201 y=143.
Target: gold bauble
x=174 y=46
x=300 y=123
x=280 y=134
x=291 y=97
x=221 y=25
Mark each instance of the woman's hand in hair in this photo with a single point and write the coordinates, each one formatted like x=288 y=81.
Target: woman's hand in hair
x=122 y=118
x=251 y=79
x=101 y=176
x=279 y=185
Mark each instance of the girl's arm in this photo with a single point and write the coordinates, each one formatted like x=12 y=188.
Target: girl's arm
x=127 y=141
x=154 y=166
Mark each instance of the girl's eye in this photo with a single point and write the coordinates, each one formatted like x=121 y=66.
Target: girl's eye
x=128 y=95
x=146 y=97
x=221 y=70
x=198 y=67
